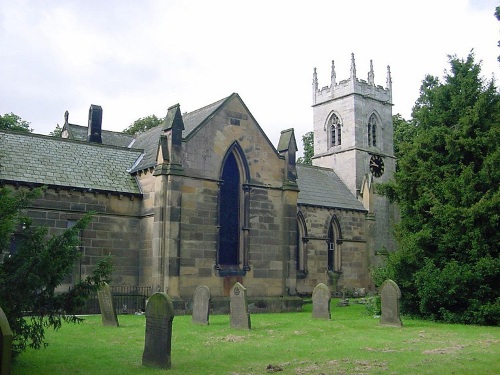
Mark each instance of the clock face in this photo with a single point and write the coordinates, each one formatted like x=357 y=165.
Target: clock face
x=376 y=165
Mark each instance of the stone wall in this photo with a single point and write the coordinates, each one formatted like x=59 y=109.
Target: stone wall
x=114 y=230
x=354 y=266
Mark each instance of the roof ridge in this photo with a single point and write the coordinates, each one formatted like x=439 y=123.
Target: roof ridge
x=206 y=106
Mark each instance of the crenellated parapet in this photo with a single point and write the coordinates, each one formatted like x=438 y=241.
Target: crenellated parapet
x=352 y=86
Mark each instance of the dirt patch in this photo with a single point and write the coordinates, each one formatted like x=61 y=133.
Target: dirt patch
x=384 y=350
x=233 y=338
x=448 y=350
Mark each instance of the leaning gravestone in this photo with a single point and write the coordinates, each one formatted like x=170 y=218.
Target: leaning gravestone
x=5 y=345
x=321 y=302
x=108 y=312
x=159 y=318
x=240 y=318
x=389 y=301
x=201 y=305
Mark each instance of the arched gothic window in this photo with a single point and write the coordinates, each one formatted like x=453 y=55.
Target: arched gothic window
x=334 y=245
x=301 y=254
x=335 y=131
x=372 y=130
x=233 y=215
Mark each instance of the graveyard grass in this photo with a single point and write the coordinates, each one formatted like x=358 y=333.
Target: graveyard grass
x=350 y=343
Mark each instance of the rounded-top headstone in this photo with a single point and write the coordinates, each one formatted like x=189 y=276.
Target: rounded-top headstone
x=5 y=345
x=157 y=345
x=321 y=302
x=201 y=305
x=390 y=294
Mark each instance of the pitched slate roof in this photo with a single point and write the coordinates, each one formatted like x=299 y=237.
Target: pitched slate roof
x=148 y=140
x=39 y=159
x=322 y=187
x=79 y=133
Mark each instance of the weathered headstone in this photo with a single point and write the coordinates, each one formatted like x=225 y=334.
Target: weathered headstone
x=108 y=312
x=159 y=318
x=321 y=302
x=201 y=305
x=5 y=345
x=240 y=318
x=390 y=295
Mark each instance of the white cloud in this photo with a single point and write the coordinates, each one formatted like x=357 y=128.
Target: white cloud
x=136 y=59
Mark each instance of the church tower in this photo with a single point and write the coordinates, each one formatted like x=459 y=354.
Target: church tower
x=353 y=135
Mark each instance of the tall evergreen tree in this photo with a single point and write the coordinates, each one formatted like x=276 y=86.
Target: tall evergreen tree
x=30 y=276
x=448 y=188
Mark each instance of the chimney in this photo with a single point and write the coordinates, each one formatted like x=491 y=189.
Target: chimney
x=95 y=124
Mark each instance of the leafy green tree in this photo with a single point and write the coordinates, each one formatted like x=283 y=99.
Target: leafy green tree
x=10 y=121
x=143 y=124
x=56 y=132
x=448 y=188
x=308 y=142
x=30 y=276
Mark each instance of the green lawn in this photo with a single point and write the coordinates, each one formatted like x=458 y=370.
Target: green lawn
x=350 y=343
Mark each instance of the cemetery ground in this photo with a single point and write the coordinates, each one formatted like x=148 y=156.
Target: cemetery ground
x=352 y=342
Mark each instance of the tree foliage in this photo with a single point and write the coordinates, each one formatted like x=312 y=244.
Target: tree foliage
x=11 y=121
x=56 y=132
x=308 y=142
x=30 y=276
x=143 y=124
x=404 y=131
x=448 y=188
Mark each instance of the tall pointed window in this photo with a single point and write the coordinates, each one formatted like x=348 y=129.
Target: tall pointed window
x=334 y=256
x=229 y=214
x=233 y=220
x=335 y=131
x=301 y=254
x=372 y=131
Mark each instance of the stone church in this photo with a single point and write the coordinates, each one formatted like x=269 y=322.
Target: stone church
x=206 y=198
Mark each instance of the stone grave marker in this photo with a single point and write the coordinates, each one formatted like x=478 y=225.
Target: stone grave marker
x=201 y=305
x=321 y=302
x=5 y=345
x=390 y=295
x=108 y=312
x=159 y=318
x=240 y=318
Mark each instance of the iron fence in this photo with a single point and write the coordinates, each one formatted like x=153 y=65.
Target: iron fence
x=126 y=299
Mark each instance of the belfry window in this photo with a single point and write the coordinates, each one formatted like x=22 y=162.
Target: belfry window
x=372 y=131
x=335 y=131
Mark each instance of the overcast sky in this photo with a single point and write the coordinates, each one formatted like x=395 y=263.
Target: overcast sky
x=137 y=58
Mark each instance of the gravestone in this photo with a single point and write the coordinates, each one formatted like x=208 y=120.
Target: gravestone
x=389 y=303
x=5 y=345
x=201 y=305
x=159 y=318
x=321 y=302
x=108 y=312
x=240 y=318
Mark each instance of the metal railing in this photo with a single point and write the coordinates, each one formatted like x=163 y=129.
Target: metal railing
x=126 y=299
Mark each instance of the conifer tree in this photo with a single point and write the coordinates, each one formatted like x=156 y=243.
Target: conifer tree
x=448 y=188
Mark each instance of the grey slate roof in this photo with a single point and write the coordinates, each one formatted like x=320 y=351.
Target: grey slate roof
x=39 y=159
x=79 y=133
x=148 y=141
x=322 y=187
